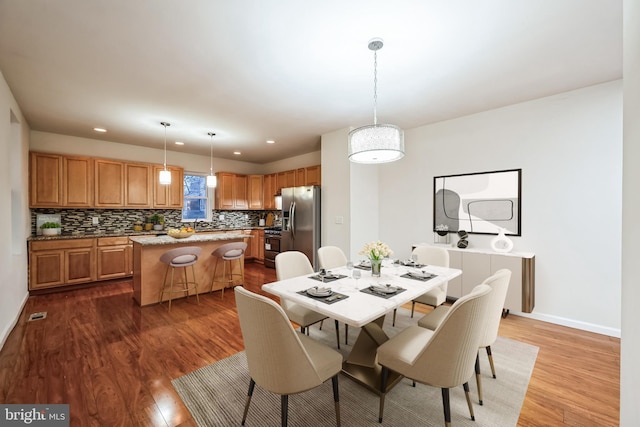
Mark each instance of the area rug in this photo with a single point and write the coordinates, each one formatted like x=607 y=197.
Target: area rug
x=215 y=394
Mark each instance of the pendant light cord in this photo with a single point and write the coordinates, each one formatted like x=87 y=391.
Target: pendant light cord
x=375 y=87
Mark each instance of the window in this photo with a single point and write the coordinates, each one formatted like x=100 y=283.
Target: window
x=197 y=198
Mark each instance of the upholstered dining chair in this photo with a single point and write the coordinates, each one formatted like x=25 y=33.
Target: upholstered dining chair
x=499 y=282
x=442 y=358
x=333 y=257
x=293 y=264
x=280 y=359
x=432 y=255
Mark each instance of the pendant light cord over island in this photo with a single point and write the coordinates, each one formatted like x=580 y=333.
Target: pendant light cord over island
x=211 y=179
x=165 y=175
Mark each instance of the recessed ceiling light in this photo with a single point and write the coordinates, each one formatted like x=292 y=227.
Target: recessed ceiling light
x=179 y=143
x=237 y=153
x=270 y=141
x=100 y=130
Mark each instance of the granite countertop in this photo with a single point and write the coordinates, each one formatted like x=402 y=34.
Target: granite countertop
x=197 y=237
x=131 y=233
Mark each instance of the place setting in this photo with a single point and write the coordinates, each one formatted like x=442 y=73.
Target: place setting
x=383 y=290
x=323 y=294
x=326 y=276
x=421 y=275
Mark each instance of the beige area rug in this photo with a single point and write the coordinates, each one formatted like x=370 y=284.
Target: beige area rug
x=216 y=394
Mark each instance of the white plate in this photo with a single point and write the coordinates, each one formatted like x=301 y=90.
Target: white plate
x=321 y=292
x=385 y=289
x=419 y=274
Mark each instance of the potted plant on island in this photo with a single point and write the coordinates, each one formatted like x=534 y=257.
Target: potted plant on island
x=50 y=229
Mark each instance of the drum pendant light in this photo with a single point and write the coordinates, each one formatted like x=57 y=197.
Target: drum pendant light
x=165 y=175
x=376 y=143
x=211 y=179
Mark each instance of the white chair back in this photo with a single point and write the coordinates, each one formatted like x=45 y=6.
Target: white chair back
x=292 y=264
x=331 y=257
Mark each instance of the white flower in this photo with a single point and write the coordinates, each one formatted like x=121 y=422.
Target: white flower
x=376 y=250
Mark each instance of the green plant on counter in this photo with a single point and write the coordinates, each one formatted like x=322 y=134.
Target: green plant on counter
x=156 y=219
x=50 y=225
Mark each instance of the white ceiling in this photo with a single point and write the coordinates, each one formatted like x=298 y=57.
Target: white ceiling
x=291 y=70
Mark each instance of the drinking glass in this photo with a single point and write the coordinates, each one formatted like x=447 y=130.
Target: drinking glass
x=357 y=274
x=414 y=259
x=349 y=267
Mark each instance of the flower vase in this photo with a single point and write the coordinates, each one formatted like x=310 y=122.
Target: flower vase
x=376 y=265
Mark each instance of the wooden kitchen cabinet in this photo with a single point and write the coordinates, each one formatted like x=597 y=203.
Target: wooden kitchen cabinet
x=109 y=183
x=285 y=179
x=138 y=185
x=260 y=239
x=269 y=191
x=45 y=180
x=255 y=191
x=301 y=177
x=168 y=196
x=55 y=263
x=231 y=191
x=114 y=257
x=77 y=182
x=314 y=175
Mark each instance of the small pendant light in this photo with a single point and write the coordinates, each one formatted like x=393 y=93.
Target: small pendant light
x=211 y=179
x=165 y=175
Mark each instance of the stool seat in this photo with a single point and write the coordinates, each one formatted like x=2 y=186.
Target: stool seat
x=180 y=258
x=228 y=253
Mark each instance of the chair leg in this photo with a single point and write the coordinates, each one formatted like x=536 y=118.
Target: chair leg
x=338 y=334
x=469 y=404
x=164 y=283
x=383 y=391
x=413 y=306
x=346 y=334
x=478 y=378
x=446 y=407
x=171 y=288
x=493 y=368
x=195 y=284
x=394 y=317
x=321 y=322
x=252 y=385
x=284 y=403
x=336 y=398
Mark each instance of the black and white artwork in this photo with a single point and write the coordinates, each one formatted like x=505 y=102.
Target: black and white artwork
x=481 y=203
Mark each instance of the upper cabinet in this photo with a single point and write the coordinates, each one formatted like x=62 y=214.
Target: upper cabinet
x=109 y=183
x=255 y=191
x=77 y=181
x=231 y=191
x=168 y=196
x=60 y=181
x=313 y=175
x=45 y=178
x=269 y=191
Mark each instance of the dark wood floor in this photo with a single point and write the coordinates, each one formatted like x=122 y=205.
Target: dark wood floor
x=113 y=362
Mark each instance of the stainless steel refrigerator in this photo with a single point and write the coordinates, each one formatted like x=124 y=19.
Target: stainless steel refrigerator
x=301 y=221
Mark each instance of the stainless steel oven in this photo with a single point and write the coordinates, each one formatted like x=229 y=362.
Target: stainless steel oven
x=271 y=245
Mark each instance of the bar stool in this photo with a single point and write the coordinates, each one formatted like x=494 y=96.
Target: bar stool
x=180 y=258
x=228 y=253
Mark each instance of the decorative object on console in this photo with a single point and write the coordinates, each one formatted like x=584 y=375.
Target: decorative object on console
x=463 y=242
x=501 y=243
x=375 y=251
x=376 y=143
x=479 y=202
x=165 y=175
x=441 y=235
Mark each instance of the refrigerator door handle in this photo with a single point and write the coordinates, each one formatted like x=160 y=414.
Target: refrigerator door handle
x=292 y=219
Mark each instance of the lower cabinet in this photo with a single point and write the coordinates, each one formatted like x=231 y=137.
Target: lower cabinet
x=477 y=265
x=61 y=262
x=114 y=256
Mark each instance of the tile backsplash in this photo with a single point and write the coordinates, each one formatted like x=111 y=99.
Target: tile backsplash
x=122 y=220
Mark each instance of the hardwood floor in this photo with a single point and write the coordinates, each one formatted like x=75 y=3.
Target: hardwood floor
x=113 y=362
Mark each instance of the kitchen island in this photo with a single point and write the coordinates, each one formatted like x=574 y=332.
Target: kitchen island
x=148 y=271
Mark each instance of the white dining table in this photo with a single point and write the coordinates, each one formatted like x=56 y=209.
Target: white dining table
x=363 y=310
x=357 y=308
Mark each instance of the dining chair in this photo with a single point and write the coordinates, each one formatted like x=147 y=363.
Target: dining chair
x=432 y=255
x=280 y=359
x=442 y=358
x=499 y=283
x=333 y=257
x=293 y=264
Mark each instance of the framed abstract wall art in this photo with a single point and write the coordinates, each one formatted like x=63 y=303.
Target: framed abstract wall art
x=481 y=203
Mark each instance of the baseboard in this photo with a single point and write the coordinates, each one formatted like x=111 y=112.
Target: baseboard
x=584 y=326
x=9 y=328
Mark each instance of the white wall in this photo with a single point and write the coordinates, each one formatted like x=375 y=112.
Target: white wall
x=14 y=143
x=569 y=147
x=630 y=348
